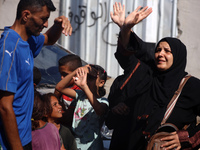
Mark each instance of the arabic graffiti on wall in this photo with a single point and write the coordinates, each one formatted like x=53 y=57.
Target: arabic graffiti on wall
x=79 y=19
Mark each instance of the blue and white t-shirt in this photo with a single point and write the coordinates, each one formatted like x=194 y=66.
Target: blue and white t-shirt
x=16 y=76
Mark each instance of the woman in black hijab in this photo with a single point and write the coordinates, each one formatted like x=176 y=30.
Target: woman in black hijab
x=138 y=98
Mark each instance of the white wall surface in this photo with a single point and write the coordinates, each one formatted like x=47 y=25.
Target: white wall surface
x=8 y=10
x=189 y=12
x=94 y=36
x=95 y=39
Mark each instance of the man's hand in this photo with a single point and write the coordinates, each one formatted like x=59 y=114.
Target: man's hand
x=61 y=25
x=118 y=16
x=65 y=24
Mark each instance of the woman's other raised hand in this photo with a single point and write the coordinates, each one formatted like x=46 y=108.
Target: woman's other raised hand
x=136 y=16
x=118 y=14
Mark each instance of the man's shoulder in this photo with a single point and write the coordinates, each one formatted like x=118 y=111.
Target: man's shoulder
x=36 y=39
x=9 y=37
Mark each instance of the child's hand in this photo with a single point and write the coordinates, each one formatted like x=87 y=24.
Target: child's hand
x=81 y=78
x=86 y=68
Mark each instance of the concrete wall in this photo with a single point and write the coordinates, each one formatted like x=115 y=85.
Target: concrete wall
x=189 y=33
x=188 y=19
x=8 y=12
x=94 y=36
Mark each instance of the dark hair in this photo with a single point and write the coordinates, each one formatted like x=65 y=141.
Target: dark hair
x=47 y=104
x=102 y=76
x=73 y=61
x=38 y=110
x=33 y=6
x=36 y=75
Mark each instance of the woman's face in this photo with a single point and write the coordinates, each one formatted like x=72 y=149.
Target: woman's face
x=163 y=56
x=56 y=108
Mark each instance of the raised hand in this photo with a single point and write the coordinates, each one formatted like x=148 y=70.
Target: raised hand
x=81 y=78
x=136 y=16
x=65 y=24
x=118 y=16
x=132 y=19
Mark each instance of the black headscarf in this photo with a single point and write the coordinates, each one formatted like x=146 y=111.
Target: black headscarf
x=165 y=83
x=148 y=91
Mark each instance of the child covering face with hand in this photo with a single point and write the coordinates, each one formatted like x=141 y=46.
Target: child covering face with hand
x=91 y=106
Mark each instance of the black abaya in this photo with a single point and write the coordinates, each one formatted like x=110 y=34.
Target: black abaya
x=149 y=91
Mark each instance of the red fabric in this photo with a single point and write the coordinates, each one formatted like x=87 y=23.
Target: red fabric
x=75 y=87
x=195 y=140
x=183 y=135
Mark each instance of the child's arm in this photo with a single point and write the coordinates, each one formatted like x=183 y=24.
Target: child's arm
x=100 y=108
x=57 y=93
x=62 y=85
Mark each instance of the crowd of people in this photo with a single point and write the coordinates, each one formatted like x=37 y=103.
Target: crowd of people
x=71 y=118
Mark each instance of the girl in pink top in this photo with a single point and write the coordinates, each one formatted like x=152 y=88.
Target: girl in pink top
x=45 y=135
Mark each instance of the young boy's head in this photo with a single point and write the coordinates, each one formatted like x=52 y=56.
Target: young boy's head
x=68 y=64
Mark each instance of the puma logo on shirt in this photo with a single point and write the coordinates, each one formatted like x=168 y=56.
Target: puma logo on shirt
x=27 y=61
x=9 y=53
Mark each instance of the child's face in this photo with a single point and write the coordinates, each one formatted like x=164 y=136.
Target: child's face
x=94 y=82
x=98 y=81
x=64 y=71
x=56 y=108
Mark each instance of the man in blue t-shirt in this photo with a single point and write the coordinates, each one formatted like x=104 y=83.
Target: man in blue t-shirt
x=19 y=44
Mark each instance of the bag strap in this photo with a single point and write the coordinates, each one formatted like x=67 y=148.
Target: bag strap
x=174 y=99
